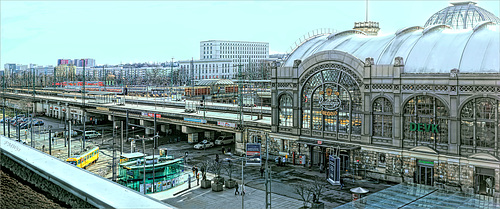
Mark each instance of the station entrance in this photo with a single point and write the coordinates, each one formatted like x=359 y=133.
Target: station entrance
x=425 y=173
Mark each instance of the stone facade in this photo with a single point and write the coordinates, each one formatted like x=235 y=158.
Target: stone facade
x=394 y=156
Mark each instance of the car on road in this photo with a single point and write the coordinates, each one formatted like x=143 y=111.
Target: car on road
x=25 y=125
x=222 y=140
x=91 y=134
x=204 y=144
x=38 y=123
x=4 y=119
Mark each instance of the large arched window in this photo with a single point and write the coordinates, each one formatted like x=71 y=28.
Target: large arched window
x=331 y=102
x=382 y=118
x=480 y=121
x=285 y=110
x=425 y=122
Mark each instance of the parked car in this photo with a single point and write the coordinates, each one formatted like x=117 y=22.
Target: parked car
x=25 y=125
x=91 y=134
x=4 y=120
x=38 y=123
x=64 y=133
x=204 y=144
x=222 y=140
x=19 y=117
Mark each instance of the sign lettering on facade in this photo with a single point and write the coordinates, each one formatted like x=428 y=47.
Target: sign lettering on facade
x=102 y=108
x=226 y=124
x=327 y=102
x=150 y=114
x=195 y=120
x=330 y=101
x=422 y=127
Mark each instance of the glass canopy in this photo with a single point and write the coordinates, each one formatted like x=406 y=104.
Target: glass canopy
x=421 y=196
x=461 y=15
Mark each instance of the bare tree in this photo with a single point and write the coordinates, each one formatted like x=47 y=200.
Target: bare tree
x=204 y=166
x=304 y=192
x=317 y=189
x=216 y=167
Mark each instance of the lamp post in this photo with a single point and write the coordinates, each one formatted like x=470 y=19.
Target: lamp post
x=50 y=140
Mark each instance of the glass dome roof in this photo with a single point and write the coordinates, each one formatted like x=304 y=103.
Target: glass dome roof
x=461 y=15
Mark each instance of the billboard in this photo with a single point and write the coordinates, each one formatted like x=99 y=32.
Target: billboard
x=334 y=170
x=253 y=154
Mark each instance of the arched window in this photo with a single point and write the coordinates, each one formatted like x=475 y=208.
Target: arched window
x=425 y=122
x=331 y=102
x=285 y=109
x=382 y=118
x=480 y=121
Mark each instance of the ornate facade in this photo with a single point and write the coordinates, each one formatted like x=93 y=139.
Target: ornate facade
x=409 y=107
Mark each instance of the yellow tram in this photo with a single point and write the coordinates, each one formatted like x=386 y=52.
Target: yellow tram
x=83 y=161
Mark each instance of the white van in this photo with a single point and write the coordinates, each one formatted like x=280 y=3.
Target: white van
x=222 y=140
x=91 y=134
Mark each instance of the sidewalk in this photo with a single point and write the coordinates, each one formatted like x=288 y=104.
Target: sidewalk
x=196 y=197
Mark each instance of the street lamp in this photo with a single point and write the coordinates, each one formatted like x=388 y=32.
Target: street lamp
x=50 y=140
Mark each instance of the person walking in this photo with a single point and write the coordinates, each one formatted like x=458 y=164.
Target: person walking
x=236 y=192
x=242 y=189
x=223 y=150
x=43 y=148
x=283 y=161
x=341 y=183
x=197 y=178
x=261 y=171
x=279 y=161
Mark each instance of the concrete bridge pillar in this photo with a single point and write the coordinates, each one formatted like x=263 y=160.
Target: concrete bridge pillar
x=149 y=125
x=117 y=123
x=193 y=138
x=240 y=146
x=165 y=128
x=209 y=134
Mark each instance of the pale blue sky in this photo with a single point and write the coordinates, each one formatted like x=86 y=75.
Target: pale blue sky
x=112 y=32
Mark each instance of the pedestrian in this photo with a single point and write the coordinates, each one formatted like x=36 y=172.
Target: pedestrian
x=216 y=157
x=341 y=183
x=43 y=148
x=283 y=161
x=236 y=192
x=223 y=150
x=193 y=169
x=279 y=161
x=229 y=149
x=197 y=179
x=261 y=171
x=242 y=189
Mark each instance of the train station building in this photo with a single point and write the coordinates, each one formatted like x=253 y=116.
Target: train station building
x=421 y=105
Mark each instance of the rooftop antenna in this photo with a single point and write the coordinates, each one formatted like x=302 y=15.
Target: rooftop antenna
x=366 y=11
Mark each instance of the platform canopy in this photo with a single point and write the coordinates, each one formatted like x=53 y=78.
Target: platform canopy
x=211 y=82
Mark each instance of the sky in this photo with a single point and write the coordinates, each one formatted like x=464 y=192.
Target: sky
x=114 y=32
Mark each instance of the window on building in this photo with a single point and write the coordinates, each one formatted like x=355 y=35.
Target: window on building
x=331 y=101
x=479 y=123
x=425 y=121
x=285 y=110
x=382 y=118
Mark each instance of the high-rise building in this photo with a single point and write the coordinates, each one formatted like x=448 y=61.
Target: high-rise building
x=218 y=49
x=220 y=59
